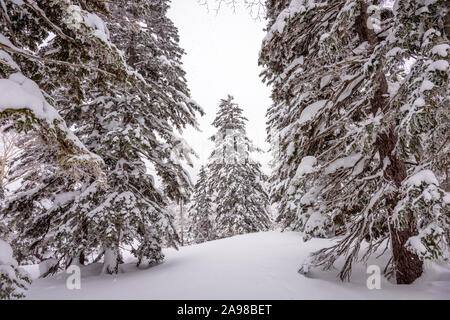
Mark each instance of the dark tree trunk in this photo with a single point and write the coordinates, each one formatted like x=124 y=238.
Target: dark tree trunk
x=82 y=258
x=408 y=266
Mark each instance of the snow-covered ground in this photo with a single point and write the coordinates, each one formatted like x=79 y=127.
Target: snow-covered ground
x=252 y=266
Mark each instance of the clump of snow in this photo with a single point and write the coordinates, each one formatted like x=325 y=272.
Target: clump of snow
x=17 y=279
x=7 y=262
x=81 y=17
x=310 y=196
x=394 y=51
x=441 y=49
x=349 y=89
x=324 y=81
x=415 y=245
x=311 y=110
x=316 y=222
x=426 y=85
x=446 y=198
x=6 y=59
x=424 y=176
x=440 y=65
x=418 y=244
x=305 y=166
x=345 y=162
x=290 y=149
x=295 y=63
x=163 y=59
x=419 y=102
x=19 y=92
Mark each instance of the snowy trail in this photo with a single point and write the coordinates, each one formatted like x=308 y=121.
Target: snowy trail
x=253 y=266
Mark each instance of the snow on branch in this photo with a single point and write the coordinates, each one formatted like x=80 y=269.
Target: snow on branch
x=7 y=46
x=23 y=100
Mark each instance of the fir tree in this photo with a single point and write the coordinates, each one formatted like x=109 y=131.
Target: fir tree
x=72 y=43
x=127 y=117
x=344 y=151
x=27 y=75
x=201 y=211
x=235 y=180
x=26 y=108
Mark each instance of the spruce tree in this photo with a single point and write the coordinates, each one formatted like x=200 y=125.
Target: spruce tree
x=201 y=211
x=66 y=50
x=345 y=150
x=27 y=75
x=24 y=105
x=235 y=180
x=421 y=35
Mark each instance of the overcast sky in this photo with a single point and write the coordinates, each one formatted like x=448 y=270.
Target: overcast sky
x=222 y=58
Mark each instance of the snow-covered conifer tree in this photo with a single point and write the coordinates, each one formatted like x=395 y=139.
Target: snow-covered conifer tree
x=201 y=212
x=235 y=179
x=127 y=116
x=29 y=107
x=24 y=107
x=346 y=151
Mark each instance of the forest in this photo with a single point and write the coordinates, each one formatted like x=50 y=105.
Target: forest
x=96 y=168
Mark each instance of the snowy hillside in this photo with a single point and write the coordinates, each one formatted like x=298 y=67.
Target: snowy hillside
x=252 y=266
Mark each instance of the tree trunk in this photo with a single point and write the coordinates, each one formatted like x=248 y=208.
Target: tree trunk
x=408 y=267
x=82 y=258
x=181 y=223
x=112 y=257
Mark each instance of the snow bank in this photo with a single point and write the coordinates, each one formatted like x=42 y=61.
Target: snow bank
x=252 y=266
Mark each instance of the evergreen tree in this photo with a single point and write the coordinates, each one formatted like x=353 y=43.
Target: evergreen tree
x=235 y=180
x=127 y=117
x=72 y=44
x=26 y=108
x=201 y=211
x=343 y=136
x=421 y=35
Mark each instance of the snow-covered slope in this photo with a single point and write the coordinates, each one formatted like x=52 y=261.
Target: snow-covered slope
x=252 y=266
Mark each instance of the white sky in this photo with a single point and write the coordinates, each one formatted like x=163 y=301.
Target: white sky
x=222 y=58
